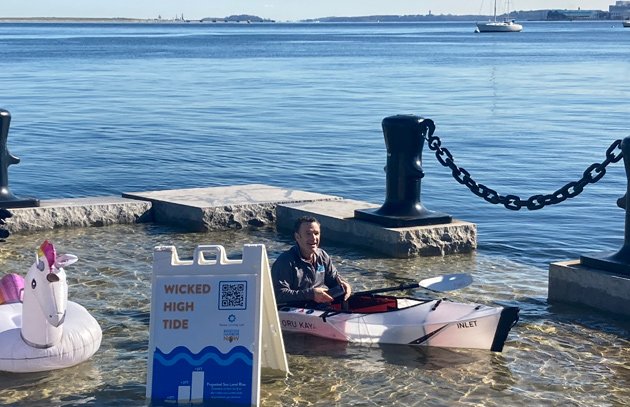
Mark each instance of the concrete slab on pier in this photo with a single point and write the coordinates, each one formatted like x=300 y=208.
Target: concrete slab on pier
x=338 y=224
x=571 y=282
x=79 y=212
x=220 y=208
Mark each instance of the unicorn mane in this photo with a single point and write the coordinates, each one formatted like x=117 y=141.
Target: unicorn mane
x=47 y=250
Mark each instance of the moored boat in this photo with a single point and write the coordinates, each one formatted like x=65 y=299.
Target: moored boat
x=499 y=26
x=494 y=26
x=626 y=23
x=371 y=319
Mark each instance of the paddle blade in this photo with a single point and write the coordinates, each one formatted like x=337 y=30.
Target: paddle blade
x=447 y=282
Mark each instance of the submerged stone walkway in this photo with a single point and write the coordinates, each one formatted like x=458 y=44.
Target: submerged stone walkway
x=244 y=206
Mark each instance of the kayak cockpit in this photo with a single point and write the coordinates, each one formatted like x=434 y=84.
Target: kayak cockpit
x=369 y=304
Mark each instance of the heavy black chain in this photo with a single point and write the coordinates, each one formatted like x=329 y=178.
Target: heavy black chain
x=593 y=173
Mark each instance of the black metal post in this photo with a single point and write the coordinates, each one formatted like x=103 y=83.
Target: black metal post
x=620 y=261
x=7 y=199
x=404 y=139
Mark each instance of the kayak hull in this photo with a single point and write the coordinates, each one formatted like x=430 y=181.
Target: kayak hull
x=406 y=321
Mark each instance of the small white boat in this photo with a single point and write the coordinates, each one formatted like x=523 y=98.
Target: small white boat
x=626 y=23
x=371 y=319
x=508 y=25
x=499 y=26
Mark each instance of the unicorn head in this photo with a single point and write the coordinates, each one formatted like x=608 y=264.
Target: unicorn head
x=45 y=297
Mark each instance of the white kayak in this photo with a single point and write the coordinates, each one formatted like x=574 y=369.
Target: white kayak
x=371 y=319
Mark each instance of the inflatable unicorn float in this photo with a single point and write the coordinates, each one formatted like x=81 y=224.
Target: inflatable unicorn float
x=39 y=328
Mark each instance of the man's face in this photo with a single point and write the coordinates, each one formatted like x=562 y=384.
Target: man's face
x=307 y=238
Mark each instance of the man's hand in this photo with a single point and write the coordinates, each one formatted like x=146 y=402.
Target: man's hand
x=346 y=288
x=320 y=295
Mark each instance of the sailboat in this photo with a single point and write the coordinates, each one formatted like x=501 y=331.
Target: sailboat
x=507 y=25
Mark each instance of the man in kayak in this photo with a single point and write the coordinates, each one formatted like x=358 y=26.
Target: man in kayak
x=305 y=273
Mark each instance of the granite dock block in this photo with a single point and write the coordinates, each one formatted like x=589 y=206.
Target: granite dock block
x=78 y=212
x=338 y=224
x=572 y=283
x=221 y=208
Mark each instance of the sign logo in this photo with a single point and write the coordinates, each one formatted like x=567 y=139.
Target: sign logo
x=231 y=335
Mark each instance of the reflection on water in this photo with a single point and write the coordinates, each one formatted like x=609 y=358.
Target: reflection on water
x=555 y=355
x=386 y=374
x=51 y=387
x=378 y=358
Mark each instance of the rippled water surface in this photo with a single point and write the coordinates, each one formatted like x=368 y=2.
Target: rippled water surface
x=553 y=356
x=105 y=109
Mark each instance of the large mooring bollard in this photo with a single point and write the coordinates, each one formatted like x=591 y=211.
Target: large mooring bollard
x=404 y=139
x=7 y=199
x=620 y=261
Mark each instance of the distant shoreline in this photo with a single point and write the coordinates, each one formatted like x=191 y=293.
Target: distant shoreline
x=71 y=20
x=521 y=16
x=114 y=20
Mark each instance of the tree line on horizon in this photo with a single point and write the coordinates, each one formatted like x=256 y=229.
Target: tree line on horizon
x=534 y=15
x=549 y=15
x=545 y=15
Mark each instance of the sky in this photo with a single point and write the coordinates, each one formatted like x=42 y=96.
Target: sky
x=280 y=10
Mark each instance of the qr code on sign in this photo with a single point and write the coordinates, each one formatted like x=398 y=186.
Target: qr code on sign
x=233 y=295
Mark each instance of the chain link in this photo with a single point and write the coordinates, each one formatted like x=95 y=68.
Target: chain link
x=591 y=175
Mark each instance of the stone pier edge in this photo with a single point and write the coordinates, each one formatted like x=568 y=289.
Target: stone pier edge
x=572 y=283
x=78 y=212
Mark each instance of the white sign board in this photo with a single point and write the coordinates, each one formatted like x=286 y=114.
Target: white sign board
x=214 y=324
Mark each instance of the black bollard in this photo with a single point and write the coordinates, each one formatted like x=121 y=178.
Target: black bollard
x=404 y=139
x=620 y=261
x=4 y=214
x=7 y=199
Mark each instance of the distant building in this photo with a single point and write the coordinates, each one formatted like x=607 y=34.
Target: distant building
x=620 y=11
x=575 y=14
x=534 y=15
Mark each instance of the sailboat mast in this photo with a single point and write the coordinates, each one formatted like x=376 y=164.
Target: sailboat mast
x=495 y=11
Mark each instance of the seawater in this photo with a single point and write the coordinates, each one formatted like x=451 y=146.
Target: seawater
x=101 y=109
